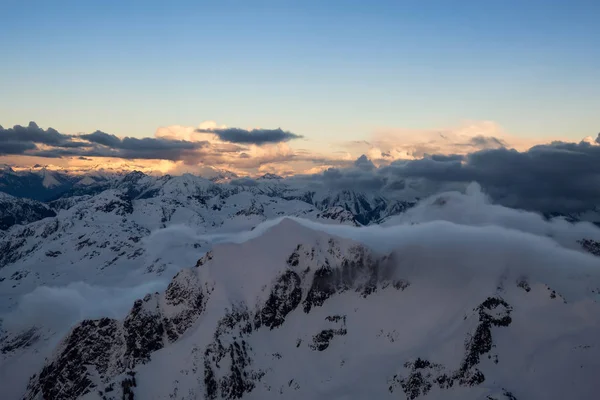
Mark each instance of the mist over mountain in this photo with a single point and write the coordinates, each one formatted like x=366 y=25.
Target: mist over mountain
x=142 y=286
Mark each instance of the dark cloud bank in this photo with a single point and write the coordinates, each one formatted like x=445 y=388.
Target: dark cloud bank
x=32 y=140
x=26 y=140
x=254 y=136
x=558 y=177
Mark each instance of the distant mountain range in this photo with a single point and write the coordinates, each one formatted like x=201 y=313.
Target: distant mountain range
x=58 y=189
x=45 y=185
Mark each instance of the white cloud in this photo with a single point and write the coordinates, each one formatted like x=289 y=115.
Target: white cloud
x=58 y=308
x=384 y=146
x=392 y=144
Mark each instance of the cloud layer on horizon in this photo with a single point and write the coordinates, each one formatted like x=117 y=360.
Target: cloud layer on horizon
x=174 y=149
x=556 y=177
x=514 y=171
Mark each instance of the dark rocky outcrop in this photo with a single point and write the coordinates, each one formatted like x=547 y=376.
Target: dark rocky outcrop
x=284 y=298
x=229 y=343
x=91 y=343
x=19 y=341
x=423 y=374
x=322 y=339
x=591 y=246
x=15 y=211
x=98 y=351
x=121 y=205
x=506 y=395
x=360 y=272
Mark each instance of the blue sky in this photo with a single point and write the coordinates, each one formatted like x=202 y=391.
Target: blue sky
x=327 y=70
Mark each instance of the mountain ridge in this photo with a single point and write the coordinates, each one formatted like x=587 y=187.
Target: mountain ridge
x=325 y=289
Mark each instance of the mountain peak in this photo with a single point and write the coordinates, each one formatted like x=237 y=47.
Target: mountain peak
x=269 y=175
x=133 y=176
x=50 y=180
x=6 y=168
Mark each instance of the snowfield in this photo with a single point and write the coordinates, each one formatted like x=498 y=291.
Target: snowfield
x=180 y=288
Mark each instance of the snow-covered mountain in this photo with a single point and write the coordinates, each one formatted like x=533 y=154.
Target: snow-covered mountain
x=55 y=186
x=297 y=313
x=297 y=292
x=44 y=185
x=22 y=211
x=92 y=238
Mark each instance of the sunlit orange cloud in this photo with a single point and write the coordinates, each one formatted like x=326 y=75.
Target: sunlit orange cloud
x=214 y=156
x=382 y=147
x=389 y=144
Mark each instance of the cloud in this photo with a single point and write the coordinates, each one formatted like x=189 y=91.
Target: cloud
x=34 y=134
x=254 y=136
x=21 y=139
x=389 y=144
x=145 y=148
x=49 y=143
x=474 y=233
x=441 y=159
x=14 y=147
x=242 y=158
x=557 y=177
x=486 y=142
x=60 y=307
x=563 y=177
x=364 y=163
x=478 y=236
x=102 y=138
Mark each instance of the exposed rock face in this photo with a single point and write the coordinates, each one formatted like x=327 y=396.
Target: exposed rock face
x=98 y=351
x=591 y=246
x=253 y=209
x=228 y=371
x=15 y=210
x=424 y=374
x=322 y=340
x=284 y=298
x=120 y=205
x=92 y=343
x=228 y=360
x=365 y=210
x=360 y=272
x=339 y=214
x=240 y=334
x=21 y=340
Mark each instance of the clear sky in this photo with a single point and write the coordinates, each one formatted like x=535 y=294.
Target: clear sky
x=323 y=69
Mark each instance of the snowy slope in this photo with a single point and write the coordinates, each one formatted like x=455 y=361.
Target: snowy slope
x=44 y=185
x=15 y=210
x=49 y=179
x=365 y=208
x=361 y=301
x=297 y=313
x=99 y=239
